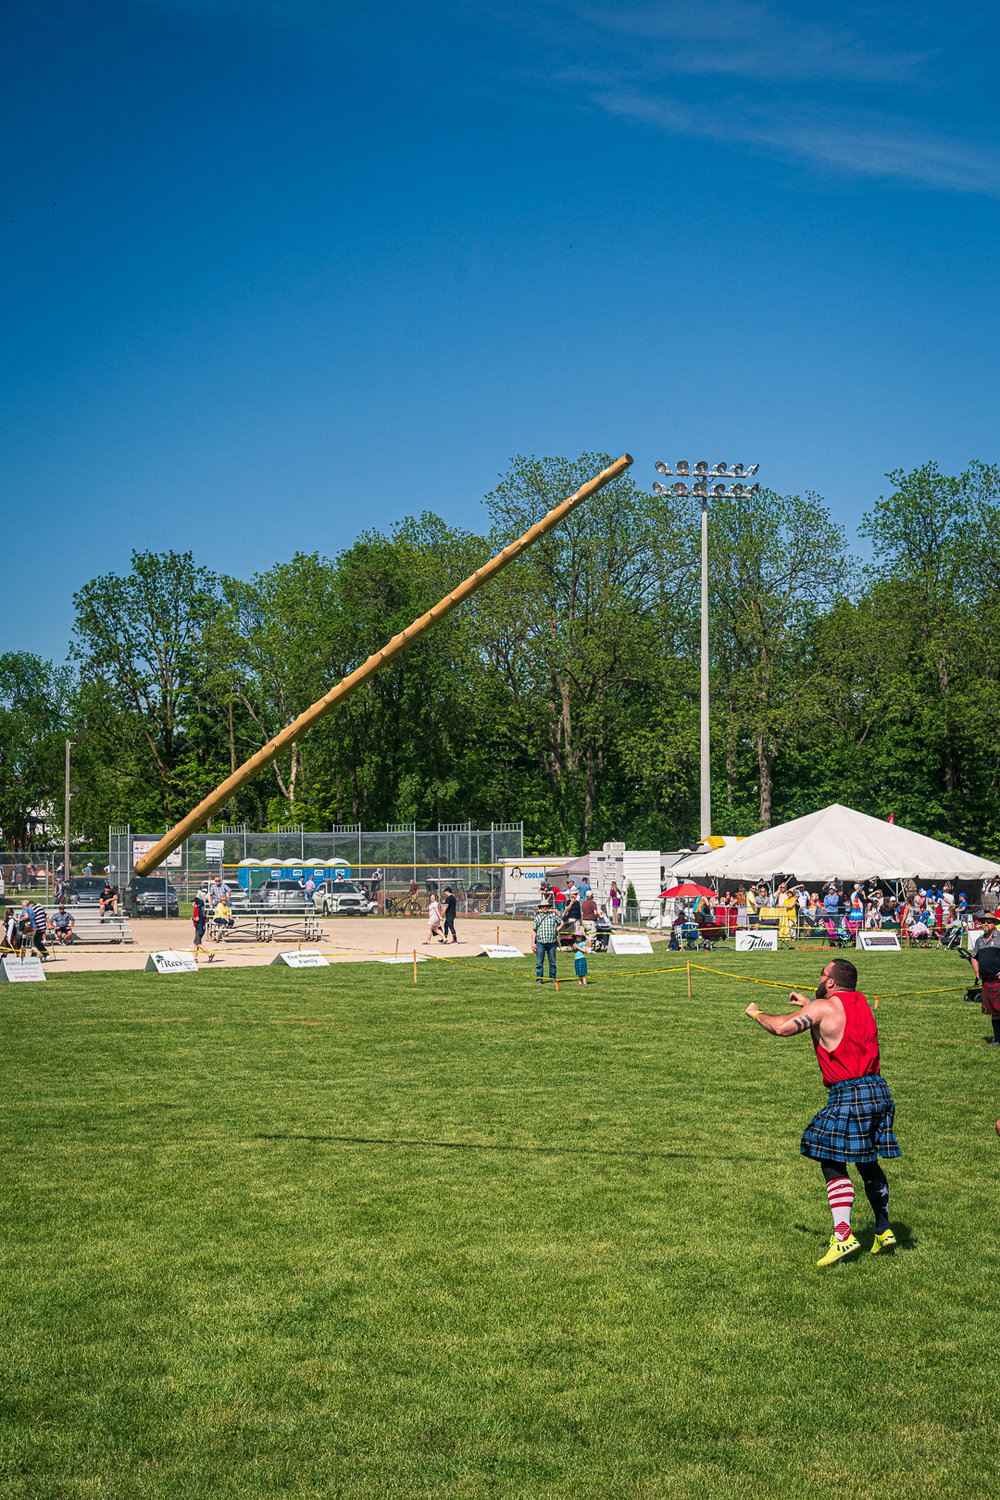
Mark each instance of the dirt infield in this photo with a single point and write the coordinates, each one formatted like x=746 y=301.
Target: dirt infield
x=343 y=940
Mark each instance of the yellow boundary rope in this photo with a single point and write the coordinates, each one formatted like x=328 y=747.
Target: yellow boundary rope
x=338 y=949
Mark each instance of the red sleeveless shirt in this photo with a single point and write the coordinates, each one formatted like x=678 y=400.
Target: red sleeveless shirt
x=857 y=1055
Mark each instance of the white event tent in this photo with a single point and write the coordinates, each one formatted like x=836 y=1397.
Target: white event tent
x=837 y=843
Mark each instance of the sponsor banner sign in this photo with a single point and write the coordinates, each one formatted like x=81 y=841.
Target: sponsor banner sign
x=302 y=958
x=878 y=942
x=501 y=950
x=523 y=880
x=171 y=961
x=214 y=850
x=143 y=846
x=627 y=942
x=22 y=970
x=756 y=942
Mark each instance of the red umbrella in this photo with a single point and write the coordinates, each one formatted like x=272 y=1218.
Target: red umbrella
x=688 y=889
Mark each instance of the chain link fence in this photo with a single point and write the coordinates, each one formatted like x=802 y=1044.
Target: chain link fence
x=388 y=861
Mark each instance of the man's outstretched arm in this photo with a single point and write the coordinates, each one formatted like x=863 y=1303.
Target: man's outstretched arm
x=791 y=1025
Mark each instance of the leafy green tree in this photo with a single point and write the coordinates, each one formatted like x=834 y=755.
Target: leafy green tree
x=777 y=563
x=33 y=697
x=574 y=632
x=142 y=635
x=935 y=587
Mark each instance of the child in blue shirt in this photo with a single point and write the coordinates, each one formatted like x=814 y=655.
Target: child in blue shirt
x=581 y=947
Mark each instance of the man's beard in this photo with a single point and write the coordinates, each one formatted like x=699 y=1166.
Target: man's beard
x=821 y=990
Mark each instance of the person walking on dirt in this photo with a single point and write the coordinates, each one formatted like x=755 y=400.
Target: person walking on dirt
x=450 y=907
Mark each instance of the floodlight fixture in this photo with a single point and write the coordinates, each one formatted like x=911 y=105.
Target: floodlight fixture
x=717 y=489
x=680 y=488
x=658 y=488
x=754 y=488
x=752 y=470
x=683 y=467
x=736 y=489
x=700 y=487
x=701 y=467
x=661 y=467
x=720 y=468
x=737 y=468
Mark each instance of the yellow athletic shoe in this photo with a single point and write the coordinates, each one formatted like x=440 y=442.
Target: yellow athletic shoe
x=839 y=1248
x=884 y=1243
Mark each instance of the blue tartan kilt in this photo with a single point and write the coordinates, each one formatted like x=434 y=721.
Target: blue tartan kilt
x=855 y=1125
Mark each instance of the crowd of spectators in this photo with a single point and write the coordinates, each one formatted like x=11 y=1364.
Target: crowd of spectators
x=922 y=914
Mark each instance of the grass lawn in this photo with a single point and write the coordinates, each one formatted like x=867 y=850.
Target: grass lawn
x=330 y=1233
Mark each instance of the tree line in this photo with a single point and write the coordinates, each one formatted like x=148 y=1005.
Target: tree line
x=565 y=692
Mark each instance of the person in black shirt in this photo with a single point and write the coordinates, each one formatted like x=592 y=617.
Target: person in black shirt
x=450 y=905
x=109 y=897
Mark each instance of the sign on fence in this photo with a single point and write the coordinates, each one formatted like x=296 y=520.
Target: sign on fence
x=214 y=850
x=756 y=942
x=501 y=950
x=302 y=958
x=878 y=942
x=22 y=970
x=170 y=961
x=143 y=846
x=628 y=942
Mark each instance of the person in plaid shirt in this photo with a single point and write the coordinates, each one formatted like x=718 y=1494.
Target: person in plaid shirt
x=856 y=1124
x=544 y=939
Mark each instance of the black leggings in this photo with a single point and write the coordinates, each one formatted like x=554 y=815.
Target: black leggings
x=875 y=1185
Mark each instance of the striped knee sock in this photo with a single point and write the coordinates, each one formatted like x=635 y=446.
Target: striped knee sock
x=841 y=1195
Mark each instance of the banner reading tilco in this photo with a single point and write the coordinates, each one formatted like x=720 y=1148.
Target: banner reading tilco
x=756 y=942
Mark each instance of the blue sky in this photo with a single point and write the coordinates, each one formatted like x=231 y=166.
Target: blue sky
x=274 y=273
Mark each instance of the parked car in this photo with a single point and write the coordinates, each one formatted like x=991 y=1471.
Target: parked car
x=85 y=890
x=283 y=895
x=150 y=896
x=238 y=898
x=342 y=896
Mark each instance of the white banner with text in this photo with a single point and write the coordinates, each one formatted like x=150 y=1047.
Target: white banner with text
x=756 y=942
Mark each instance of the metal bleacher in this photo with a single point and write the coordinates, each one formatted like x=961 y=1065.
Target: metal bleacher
x=90 y=927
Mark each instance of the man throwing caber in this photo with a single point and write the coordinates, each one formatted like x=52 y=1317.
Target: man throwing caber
x=856 y=1124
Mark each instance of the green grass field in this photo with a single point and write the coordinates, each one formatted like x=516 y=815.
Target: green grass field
x=333 y=1234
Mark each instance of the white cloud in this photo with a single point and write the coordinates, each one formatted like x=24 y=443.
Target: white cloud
x=871 y=146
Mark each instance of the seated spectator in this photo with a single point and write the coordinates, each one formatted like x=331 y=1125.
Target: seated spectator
x=62 y=924
x=223 y=913
x=109 y=898
x=919 y=929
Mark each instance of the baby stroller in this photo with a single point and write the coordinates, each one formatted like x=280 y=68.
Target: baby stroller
x=837 y=933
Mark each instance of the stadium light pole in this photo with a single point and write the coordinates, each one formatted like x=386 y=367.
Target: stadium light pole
x=701 y=474
x=69 y=745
